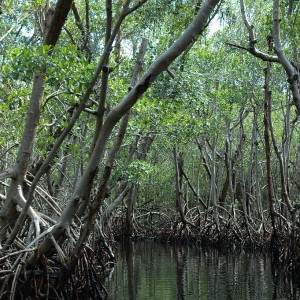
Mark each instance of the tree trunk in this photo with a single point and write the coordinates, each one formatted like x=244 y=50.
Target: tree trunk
x=158 y=66
x=52 y=28
x=271 y=195
x=180 y=203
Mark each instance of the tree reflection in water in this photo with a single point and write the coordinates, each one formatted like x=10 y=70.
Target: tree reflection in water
x=153 y=271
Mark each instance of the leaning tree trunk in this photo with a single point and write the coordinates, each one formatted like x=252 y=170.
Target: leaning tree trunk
x=53 y=24
x=102 y=193
x=187 y=38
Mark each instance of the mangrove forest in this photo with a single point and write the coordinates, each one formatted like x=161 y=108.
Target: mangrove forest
x=170 y=120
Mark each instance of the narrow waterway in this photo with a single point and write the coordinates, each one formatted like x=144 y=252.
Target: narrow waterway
x=153 y=271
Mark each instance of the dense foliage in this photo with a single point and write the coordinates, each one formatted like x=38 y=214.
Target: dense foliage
x=110 y=127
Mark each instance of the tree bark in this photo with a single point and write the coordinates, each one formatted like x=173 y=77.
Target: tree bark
x=292 y=73
x=53 y=25
x=158 y=66
x=178 y=161
x=270 y=187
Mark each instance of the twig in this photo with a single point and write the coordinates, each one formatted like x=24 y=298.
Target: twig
x=39 y=237
x=16 y=253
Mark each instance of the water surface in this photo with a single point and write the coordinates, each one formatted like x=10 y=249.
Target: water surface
x=154 y=271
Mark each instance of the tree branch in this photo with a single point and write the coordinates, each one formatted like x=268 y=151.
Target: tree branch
x=292 y=73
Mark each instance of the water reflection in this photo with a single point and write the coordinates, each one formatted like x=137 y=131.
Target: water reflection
x=153 y=271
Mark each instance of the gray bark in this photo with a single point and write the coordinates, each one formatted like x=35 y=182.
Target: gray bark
x=158 y=66
x=53 y=25
x=291 y=72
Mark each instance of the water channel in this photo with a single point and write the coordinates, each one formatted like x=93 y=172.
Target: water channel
x=147 y=271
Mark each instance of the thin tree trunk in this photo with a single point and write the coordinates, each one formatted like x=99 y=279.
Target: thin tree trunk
x=213 y=184
x=271 y=195
x=91 y=214
x=256 y=174
x=178 y=161
x=283 y=175
x=141 y=151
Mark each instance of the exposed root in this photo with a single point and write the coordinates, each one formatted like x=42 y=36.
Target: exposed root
x=56 y=279
x=233 y=233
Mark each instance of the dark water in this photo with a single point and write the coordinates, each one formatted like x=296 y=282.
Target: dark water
x=153 y=271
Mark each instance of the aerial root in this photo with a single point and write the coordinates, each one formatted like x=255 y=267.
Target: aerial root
x=55 y=277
